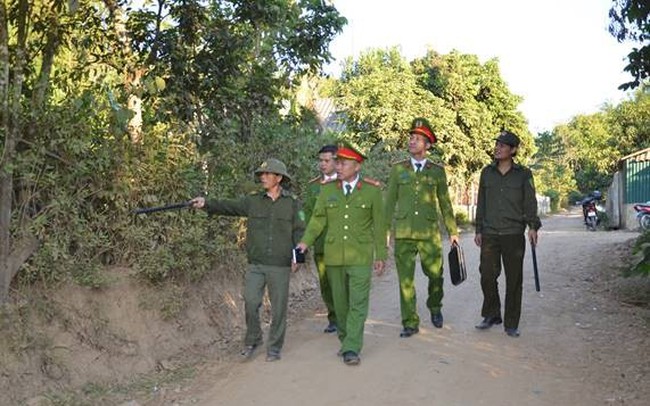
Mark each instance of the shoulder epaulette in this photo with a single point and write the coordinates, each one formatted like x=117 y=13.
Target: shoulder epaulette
x=316 y=179
x=406 y=162
x=431 y=163
x=372 y=181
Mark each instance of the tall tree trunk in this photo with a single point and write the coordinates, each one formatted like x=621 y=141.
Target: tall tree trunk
x=11 y=126
x=133 y=73
x=5 y=188
x=134 y=104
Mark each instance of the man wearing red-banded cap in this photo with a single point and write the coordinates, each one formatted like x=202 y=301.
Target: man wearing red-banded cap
x=416 y=198
x=351 y=210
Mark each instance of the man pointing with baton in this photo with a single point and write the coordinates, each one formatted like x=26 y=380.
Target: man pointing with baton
x=506 y=206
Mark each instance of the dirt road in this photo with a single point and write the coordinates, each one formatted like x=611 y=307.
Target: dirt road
x=578 y=347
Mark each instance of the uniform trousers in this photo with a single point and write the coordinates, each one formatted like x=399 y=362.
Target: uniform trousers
x=351 y=291
x=406 y=251
x=276 y=278
x=510 y=249
x=325 y=288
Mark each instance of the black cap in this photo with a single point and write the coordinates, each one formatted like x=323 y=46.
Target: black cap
x=506 y=137
x=328 y=148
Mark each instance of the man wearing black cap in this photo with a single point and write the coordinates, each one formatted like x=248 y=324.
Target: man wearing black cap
x=327 y=168
x=506 y=206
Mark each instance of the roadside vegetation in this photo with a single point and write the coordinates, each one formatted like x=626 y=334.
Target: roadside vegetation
x=112 y=105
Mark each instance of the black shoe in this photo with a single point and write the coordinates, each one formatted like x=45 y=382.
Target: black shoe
x=488 y=322
x=351 y=358
x=408 y=331
x=273 y=355
x=512 y=332
x=436 y=319
x=331 y=328
x=248 y=351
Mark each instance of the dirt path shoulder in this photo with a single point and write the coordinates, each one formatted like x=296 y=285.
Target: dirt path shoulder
x=579 y=344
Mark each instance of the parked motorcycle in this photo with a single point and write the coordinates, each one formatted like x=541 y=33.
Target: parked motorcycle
x=643 y=215
x=590 y=210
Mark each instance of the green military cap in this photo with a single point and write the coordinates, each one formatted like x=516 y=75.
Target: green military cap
x=422 y=127
x=508 y=138
x=273 y=165
x=348 y=151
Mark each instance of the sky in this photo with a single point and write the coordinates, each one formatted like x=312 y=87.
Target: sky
x=556 y=54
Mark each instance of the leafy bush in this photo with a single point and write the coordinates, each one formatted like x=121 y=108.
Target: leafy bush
x=554 y=195
x=641 y=255
x=462 y=218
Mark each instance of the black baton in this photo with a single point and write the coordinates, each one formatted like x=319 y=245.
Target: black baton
x=163 y=208
x=535 y=270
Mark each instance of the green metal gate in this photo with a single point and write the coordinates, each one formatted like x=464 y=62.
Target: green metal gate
x=637 y=181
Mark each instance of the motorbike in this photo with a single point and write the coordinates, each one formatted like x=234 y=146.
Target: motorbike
x=590 y=210
x=591 y=219
x=643 y=215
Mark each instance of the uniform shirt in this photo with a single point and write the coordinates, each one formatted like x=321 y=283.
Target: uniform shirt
x=313 y=191
x=353 y=225
x=506 y=203
x=274 y=227
x=416 y=200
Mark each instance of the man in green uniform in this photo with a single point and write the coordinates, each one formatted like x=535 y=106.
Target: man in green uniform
x=506 y=205
x=275 y=225
x=416 y=198
x=327 y=168
x=352 y=211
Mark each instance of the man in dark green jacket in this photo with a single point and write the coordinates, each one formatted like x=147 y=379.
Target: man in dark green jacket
x=352 y=211
x=275 y=225
x=506 y=205
x=327 y=168
x=417 y=197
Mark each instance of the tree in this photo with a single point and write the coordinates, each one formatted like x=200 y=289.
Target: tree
x=225 y=63
x=74 y=76
x=629 y=123
x=589 y=151
x=380 y=96
x=481 y=106
x=630 y=20
x=553 y=176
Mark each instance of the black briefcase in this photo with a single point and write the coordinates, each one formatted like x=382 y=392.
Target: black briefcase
x=457 y=268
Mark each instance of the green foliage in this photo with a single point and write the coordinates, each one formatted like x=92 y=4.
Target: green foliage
x=629 y=122
x=466 y=102
x=462 y=219
x=380 y=96
x=481 y=105
x=630 y=20
x=212 y=77
x=553 y=176
x=641 y=255
x=228 y=61
x=582 y=156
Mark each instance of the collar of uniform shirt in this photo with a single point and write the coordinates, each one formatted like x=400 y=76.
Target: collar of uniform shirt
x=353 y=184
x=328 y=178
x=422 y=162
